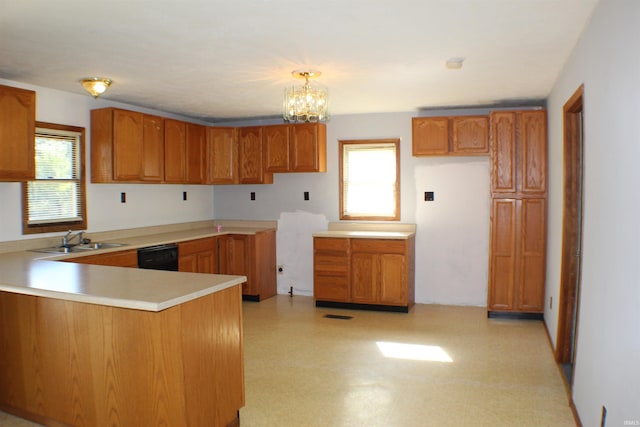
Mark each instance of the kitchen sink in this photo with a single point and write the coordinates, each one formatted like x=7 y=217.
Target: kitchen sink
x=96 y=245
x=79 y=248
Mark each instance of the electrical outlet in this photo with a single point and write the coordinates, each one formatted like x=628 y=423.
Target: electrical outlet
x=429 y=196
x=252 y=196
x=184 y=195
x=123 y=197
x=306 y=195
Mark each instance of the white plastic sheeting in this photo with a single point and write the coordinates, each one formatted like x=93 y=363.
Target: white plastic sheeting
x=294 y=250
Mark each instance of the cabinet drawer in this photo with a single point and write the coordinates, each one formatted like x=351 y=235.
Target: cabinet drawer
x=331 y=288
x=387 y=246
x=330 y=244
x=197 y=246
x=330 y=263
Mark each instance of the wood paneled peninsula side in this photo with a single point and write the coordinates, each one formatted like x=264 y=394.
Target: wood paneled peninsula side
x=96 y=345
x=366 y=266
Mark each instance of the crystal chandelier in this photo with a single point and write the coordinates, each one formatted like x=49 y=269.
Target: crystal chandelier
x=307 y=103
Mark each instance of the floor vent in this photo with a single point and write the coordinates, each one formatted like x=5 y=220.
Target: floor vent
x=338 y=316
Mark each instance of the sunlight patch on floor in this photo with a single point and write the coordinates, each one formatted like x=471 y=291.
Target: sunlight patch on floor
x=431 y=353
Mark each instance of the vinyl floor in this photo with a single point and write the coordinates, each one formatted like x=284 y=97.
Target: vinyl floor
x=435 y=366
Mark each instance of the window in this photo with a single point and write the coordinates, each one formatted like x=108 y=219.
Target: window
x=55 y=200
x=370 y=180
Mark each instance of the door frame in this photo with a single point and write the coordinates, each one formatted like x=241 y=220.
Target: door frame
x=571 y=229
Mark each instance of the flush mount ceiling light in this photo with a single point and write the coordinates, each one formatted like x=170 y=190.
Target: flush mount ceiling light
x=307 y=103
x=96 y=86
x=454 y=63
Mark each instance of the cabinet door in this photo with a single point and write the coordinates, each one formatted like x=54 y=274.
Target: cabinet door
x=308 y=147
x=175 y=151
x=364 y=278
x=532 y=255
x=533 y=148
x=127 y=145
x=470 y=135
x=250 y=164
x=503 y=152
x=199 y=256
x=393 y=279
x=276 y=148
x=17 y=134
x=234 y=258
x=127 y=258
x=188 y=263
x=196 y=138
x=502 y=256
x=222 y=155
x=153 y=148
x=430 y=136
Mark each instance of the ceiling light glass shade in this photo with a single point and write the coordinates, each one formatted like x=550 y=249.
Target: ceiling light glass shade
x=96 y=86
x=307 y=103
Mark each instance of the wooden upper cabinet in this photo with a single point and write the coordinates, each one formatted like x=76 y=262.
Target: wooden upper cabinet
x=126 y=146
x=152 y=148
x=175 y=151
x=308 y=148
x=430 y=136
x=456 y=136
x=196 y=140
x=470 y=135
x=519 y=152
x=221 y=155
x=17 y=134
x=295 y=148
x=533 y=152
x=503 y=152
x=250 y=164
x=276 y=148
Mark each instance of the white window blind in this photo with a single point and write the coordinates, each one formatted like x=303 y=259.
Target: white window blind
x=55 y=195
x=369 y=180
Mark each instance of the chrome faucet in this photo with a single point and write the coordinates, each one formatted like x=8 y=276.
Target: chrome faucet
x=66 y=240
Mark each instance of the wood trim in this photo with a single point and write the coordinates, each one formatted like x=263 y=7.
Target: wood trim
x=571 y=219
x=65 y=226
x=574 y=412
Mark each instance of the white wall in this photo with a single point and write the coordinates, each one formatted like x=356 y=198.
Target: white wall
x=146 y=204
x=606 y=60
x=452 y=240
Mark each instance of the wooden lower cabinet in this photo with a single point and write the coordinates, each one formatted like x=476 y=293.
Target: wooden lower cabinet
x=331 y=269
x=517 y=255
x=198 y=256
x=128 y=258
x=375 y=272
x=253 y=256
x=67 y=363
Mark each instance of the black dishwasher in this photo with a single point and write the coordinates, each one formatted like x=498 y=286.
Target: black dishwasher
x=160 y=257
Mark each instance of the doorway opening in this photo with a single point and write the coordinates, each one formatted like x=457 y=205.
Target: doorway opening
x=573 y=120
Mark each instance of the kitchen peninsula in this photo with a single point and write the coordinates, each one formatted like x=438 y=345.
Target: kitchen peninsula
x=93 y=345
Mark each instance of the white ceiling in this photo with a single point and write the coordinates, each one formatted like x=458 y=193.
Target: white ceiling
x=219 y=60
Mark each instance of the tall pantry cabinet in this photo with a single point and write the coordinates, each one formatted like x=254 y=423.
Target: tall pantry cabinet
x=517 y=254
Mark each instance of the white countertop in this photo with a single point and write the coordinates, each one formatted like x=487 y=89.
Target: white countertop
x=40 y=274
x=365 y=234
